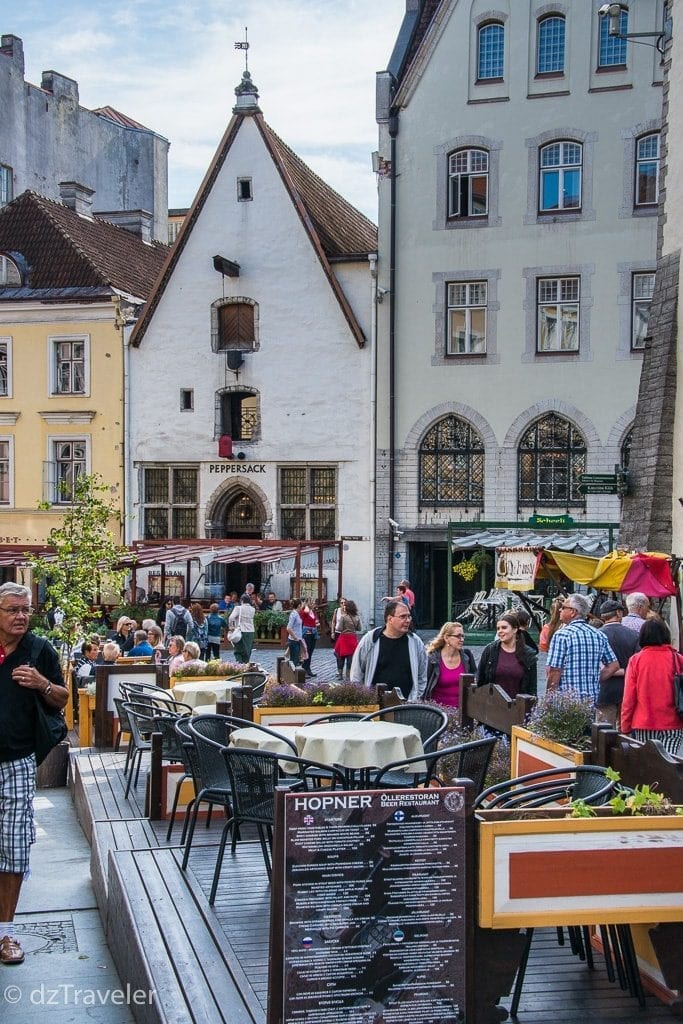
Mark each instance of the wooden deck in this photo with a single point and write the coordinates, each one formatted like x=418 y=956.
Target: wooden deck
x=210 y=964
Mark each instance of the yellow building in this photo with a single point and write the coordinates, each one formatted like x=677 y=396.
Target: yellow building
x=71 y=286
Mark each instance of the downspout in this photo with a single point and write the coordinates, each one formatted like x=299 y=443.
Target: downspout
x=393 y=133
x=373 y=428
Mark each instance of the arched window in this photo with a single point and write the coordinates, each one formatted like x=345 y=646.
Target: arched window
x=647 y=170
x=612 y=49
x=551 y=459
x=490 y=51
x=10 y=275
x=626 y=449
x=550 y=56
x=560 y=171
x=468 y=183
x=451 y=464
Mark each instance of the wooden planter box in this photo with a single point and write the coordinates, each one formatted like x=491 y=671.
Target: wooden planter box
x=272 y=717
x=531 y=753
x=543 y=869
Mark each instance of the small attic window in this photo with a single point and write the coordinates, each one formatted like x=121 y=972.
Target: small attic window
x=244 y=193
x=10 y=276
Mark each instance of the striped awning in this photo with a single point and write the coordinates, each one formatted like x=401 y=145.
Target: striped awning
x=594 y=543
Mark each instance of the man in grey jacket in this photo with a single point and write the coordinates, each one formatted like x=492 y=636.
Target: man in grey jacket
x=392 y=655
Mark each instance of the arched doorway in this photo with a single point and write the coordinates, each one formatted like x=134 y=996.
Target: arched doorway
x=237 y=515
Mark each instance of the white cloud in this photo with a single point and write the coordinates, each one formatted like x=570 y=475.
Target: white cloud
x=173 y=67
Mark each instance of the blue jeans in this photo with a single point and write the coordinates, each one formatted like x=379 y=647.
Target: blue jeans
x=294 y=650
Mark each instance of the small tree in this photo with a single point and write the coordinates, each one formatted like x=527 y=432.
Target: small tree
x=86 y=552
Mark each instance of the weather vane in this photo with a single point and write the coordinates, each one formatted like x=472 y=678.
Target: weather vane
x=244 y=46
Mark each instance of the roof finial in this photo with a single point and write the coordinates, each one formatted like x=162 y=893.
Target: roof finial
x=244 y=46
x=246 y=92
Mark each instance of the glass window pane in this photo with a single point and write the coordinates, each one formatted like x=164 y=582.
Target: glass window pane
x=479 y=195
x=641 y=315
x=457 y=331
x=156 y=523
x=612 y=49
x=293 y=524
x=491 y=51
x=323 y=489
x=184 y=522
x=184 y=486
x=478 y=331
x=570 y=328
x=550 y=45
x=156 y=486
x=323 y=524
x=646 y=186
x=293 y=486
x=550 y=190
x=571 y=188
x=547 y=328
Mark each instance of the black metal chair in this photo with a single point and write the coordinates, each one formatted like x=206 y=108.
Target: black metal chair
x=209 y=734
x=191 y=765
x=550 y=785
x=254 y=777
x=463 y=761
x=429 y=721
x=124 y=727
x=339 y=716
x=257 y=681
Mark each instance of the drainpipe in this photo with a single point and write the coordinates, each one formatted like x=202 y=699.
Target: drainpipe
x=393 y=133
x=373 y=428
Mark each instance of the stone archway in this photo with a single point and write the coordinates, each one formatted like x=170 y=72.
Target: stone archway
x=236 y=511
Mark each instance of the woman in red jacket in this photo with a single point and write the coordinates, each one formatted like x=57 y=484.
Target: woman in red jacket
x=648 y=710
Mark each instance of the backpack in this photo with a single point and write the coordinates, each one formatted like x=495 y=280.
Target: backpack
x=179 y=625
x=198 y=633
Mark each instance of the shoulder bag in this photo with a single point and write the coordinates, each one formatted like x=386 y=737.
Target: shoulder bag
x=235 y=635
x=678 y=687
x=50 y=726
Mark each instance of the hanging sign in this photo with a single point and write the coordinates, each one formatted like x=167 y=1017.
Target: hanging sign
x=516 y=568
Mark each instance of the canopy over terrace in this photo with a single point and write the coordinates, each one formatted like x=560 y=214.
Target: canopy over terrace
x=163 y=553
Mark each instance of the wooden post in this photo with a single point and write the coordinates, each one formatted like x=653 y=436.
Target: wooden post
x=153 y=794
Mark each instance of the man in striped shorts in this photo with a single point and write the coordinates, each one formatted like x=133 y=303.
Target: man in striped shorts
x=29 y=672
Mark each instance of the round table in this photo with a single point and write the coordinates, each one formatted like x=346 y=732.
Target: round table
x=358 y=745
x=207 y=691
x=256 y=739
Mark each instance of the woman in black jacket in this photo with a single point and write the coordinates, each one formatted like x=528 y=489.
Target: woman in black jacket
x=508 y=661
x=447 y=660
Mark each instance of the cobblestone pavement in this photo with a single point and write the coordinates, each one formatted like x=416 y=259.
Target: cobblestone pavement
x=324 y=664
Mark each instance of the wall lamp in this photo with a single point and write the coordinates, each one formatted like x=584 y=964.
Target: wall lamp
x=614 y=12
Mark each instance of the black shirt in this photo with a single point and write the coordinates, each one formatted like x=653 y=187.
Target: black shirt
x=393 y=664
x=17 y=704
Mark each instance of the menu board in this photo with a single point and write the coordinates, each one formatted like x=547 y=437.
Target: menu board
x=374 y=907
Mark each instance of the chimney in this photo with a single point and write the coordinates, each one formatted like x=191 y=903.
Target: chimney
x=60 y=86
x=138 y=222
x=12 y=47
x=77 y=197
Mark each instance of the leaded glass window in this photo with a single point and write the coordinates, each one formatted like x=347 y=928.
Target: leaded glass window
x=451 y=464
x=308 y=502
x=170 y=497
x=551 y=459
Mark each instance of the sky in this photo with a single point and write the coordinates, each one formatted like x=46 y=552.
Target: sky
x=172 y=66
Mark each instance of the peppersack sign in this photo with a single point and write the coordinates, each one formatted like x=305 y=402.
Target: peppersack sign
x=516 y=568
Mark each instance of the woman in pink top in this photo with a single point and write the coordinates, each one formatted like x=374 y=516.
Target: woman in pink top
x=648 y=711
x=447 y=660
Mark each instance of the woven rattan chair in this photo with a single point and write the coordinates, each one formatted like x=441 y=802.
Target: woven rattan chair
x=429 y=721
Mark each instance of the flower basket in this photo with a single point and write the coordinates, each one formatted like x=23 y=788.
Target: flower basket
x=531 y=752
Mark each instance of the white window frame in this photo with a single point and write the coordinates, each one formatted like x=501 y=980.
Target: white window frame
x=644 y=299
x=6 y=343
x=9 y=439
x=560 y=168
x=544 y=21
x=647 y=160
x=489 y=23
x=472 y=302
x=50 y=487
x=455 y=177
x=53 y=341
x=6 y=184
x=560 y=303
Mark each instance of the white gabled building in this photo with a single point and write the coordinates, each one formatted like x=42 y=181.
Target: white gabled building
x=251 y=370
x=519 y=147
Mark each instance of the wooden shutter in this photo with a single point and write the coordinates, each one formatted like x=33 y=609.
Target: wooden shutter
x=236 y=326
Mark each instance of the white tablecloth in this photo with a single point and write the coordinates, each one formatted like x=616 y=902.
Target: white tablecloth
x=255 y=739
x=205 y=692
x=354 y=744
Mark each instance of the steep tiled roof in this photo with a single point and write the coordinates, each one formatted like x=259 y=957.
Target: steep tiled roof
x=342 y=229
x=334 y=226
x=65 y=250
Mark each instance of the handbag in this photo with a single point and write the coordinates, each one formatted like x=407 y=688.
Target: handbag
x=50 y=730
x=235 y=635
x=678 y=688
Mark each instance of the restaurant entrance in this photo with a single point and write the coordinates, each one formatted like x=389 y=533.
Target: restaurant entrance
x=427 y=564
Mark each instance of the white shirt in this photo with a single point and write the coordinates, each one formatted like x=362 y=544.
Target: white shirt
x=242 y=615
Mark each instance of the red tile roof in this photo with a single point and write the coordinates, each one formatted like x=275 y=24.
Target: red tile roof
x=122 y=119
x=63 y=249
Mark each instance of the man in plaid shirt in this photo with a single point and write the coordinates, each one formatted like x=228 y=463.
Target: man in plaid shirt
x=579 y=657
